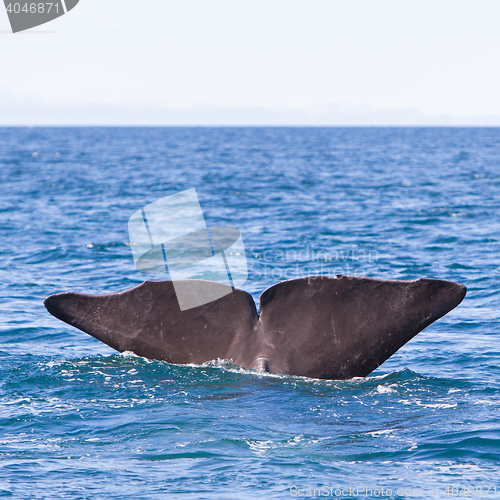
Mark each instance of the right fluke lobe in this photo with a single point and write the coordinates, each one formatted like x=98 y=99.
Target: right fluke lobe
x=320 y=327
x=346 y=327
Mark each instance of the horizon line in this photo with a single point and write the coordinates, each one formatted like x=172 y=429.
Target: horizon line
x=222 y=125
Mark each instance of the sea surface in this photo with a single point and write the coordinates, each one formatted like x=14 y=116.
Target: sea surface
x=81 y=421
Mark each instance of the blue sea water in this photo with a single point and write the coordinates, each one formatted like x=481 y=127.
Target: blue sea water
x=78 y=420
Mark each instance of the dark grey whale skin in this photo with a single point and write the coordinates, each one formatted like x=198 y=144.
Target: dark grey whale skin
x=318 y=327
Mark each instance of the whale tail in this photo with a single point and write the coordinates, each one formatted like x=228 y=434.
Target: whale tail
x=320 y=327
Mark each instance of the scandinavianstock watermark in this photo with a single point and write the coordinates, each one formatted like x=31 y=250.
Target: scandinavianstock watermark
x=26 y=14
x=280 y=264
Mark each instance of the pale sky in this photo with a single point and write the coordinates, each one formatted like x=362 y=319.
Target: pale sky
x=255 y=62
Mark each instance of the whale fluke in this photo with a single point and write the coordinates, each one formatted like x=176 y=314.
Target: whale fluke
x=319 y=327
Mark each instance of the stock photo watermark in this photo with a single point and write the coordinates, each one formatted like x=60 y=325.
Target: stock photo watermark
x=358 y=491
x=170 y=237
x=26 y=14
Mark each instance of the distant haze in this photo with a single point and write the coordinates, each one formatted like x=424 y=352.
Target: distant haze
x=258 y=62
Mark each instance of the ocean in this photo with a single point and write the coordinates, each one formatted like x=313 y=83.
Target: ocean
x=79 y=420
